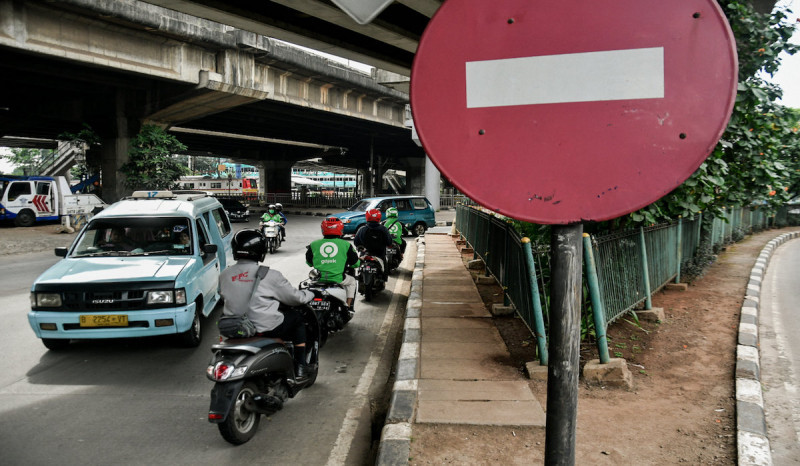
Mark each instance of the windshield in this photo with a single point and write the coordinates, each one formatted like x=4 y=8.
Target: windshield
x=147 y=236
x=360 y=206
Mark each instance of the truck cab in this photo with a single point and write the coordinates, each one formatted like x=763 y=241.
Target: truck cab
x=26 y=200
x=146 y=265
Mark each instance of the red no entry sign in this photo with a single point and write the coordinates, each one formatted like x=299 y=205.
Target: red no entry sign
x=557 y=112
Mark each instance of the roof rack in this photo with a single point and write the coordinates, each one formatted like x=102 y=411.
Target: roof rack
x=193 y=194
x=189 y=195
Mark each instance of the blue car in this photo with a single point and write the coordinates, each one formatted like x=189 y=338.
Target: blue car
x=415 y=212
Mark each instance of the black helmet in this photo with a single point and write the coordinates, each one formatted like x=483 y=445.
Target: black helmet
x=249 y=244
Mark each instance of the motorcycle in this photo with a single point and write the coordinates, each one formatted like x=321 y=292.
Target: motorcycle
x=255 y=376
x=329 y=303
x=271 y=231
x=393 y=257
x=370 y=275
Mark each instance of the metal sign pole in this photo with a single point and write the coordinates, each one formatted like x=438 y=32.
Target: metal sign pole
x=564 y=349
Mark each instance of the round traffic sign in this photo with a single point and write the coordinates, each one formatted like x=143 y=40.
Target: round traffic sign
x=558 y=112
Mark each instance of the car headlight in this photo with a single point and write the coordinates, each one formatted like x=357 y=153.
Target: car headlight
x=166 y=296
x=45 y=300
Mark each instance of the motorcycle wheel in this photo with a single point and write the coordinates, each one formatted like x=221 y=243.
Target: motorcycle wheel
x=241 y=423
x=368 y=293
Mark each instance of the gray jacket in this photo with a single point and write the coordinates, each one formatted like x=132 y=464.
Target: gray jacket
x=236 y=285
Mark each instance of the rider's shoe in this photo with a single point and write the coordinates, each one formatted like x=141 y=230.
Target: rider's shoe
x=301 y=373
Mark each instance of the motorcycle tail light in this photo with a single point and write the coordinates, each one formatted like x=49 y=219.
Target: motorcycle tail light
x=317 y=299
x=220 y=370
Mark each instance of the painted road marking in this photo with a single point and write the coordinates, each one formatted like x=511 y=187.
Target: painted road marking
x=574 y=77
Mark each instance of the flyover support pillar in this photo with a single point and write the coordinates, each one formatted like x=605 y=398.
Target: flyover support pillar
x=276 y=177
x=114 y=151
x=415 y=176
x=432 y=180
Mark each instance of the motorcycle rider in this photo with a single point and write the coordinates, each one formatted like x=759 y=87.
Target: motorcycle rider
x=396 y=229
x=284 y=220
x=272 y=215
x=263 y=310
x=332 y=255
x=375 y=238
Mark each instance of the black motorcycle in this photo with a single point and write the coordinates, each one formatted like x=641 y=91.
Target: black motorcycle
x=370 y=275
x=393 y=257
x=330 y=304
x=255 y=376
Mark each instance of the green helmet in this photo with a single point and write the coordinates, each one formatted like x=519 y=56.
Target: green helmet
x=391 y=212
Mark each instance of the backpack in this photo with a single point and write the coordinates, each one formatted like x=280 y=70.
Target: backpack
x=241 y=326
x=374 y=240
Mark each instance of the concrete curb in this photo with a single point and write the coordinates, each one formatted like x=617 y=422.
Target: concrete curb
x=751 y=426
x=395 y=444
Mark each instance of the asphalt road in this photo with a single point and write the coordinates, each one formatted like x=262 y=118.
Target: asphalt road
x=779 y=335
x=145 y=401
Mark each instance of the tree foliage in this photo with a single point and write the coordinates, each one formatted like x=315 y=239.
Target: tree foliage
x=25 y=160
x=151 y=164
x=757 y=160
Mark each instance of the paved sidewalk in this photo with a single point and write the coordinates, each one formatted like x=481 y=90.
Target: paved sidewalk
x=448 y=359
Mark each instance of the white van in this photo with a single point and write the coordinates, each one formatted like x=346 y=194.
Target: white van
x=146 y=265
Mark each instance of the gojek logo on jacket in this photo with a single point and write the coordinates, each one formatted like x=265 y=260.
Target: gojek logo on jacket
x=329 y=250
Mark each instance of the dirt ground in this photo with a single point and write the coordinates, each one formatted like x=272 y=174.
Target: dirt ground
x=37 y=238
x=681 y=409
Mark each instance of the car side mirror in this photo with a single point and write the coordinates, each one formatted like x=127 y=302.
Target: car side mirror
x=61 y=252
x=210 y=248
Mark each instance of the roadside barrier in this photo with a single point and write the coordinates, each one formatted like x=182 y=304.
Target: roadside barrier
x=623 y=269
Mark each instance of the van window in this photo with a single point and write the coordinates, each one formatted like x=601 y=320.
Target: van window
x=18 y=189
x=419 y=203
x=43 y=187
x=223 y=224
x=132 y=236
x=384 y=205
x=202 y=239
x=403 y=204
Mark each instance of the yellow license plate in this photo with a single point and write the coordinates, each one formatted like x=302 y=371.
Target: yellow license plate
x=104 y=321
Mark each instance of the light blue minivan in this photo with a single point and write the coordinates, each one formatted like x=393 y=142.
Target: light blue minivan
x=146 y=265
x=415 y=212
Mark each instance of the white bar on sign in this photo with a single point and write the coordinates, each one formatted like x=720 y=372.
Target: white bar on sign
x=574 y=77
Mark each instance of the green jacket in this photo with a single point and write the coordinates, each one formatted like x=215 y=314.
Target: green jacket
x=274 y=217
x=331 y=256
x=395 y=229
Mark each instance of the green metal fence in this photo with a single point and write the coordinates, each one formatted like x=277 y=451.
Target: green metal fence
x=496 y=242
x=630 y=265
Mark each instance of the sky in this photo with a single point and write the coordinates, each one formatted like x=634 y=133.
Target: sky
x=5 y=167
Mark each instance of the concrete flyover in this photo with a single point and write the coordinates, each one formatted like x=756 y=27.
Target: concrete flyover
x=220 y=90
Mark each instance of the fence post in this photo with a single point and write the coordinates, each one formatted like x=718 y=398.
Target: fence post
x=648 y=304
x=598 y=312
x=538 y=317
x=504 y=271
x=699 y=231
x=680 y=248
